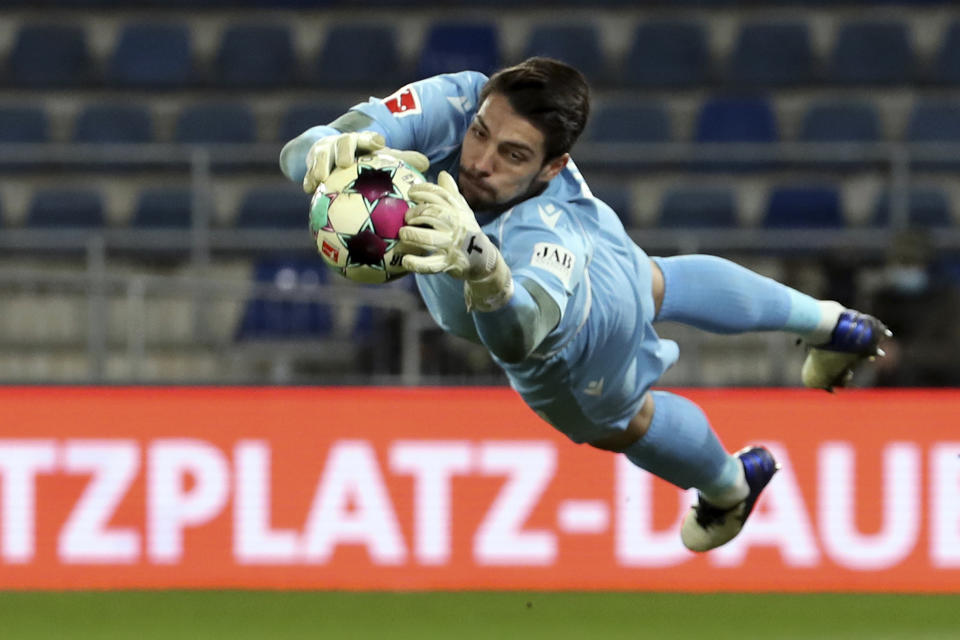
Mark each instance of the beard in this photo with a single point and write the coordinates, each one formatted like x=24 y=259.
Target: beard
x=492 y=207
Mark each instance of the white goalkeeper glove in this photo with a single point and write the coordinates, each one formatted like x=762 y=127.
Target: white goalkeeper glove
x=442 y=226
x=342 y=150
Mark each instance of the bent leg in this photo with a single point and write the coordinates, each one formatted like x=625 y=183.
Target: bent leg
x=720 y=296
x=672 y=439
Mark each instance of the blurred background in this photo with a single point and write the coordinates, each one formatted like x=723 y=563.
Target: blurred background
x=148 y=236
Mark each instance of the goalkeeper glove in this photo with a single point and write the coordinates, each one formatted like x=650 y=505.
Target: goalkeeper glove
x=442 y=226
x=342 y=150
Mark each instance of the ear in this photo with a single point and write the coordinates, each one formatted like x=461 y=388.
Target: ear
x=552 y=168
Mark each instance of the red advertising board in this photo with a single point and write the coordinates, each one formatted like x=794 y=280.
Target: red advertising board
x=371 y=488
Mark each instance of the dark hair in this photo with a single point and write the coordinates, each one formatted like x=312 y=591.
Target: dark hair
x=551 y=94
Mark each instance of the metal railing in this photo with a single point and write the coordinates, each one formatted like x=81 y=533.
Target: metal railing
x=97 y=281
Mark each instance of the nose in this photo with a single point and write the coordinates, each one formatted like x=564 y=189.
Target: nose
x=483 y=165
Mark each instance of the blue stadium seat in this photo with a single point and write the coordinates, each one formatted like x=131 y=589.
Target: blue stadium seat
x=459 y=46
x=216 y=123
x=375 y=63
x=149 y=55
x=50 y=55
x=63 y=208
x=946 y=66
x=926 y=207
x=23 y=124
x=283 y=207
x=772 y=54
x=804 y=207
x=577 y=45
x=667 y=53
x=163 y=208
x=840 y=121
x=113 y=123
x=278 y=319
x=934 y=121
x=736 y=120
x=255 y=55
x=300 y=117
x=698 y=206
x=629 y=121
x=872 y=53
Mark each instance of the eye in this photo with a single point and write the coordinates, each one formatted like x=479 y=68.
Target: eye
x=478 y=132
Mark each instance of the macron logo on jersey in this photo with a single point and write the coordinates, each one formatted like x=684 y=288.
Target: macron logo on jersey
x=460 y=103
x=554 y=259
x=549 y=214
x=405 y=102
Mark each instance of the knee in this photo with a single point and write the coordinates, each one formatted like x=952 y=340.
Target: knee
x=659 y=287
x=636 y=429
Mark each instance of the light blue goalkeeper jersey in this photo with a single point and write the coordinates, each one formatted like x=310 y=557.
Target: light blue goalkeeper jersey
x=590 y=374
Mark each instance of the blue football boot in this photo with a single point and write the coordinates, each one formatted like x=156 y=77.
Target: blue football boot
x=707 y=526
x=855 y=338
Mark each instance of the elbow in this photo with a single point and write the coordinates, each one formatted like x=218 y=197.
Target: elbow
x=514 y=356
x=511 y=351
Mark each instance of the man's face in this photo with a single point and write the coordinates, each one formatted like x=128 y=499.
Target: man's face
x=502 y=157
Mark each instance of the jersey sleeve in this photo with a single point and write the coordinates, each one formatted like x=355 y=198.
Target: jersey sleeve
x=542 y=241
x=430 y=116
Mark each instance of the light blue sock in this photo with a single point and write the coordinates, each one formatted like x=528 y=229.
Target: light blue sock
x=681 y=447
x=720 y=296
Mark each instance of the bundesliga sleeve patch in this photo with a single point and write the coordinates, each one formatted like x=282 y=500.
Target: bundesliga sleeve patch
x=405 y=102
x=554 y=259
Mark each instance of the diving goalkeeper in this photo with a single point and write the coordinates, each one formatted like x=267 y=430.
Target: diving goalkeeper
x=512 y=251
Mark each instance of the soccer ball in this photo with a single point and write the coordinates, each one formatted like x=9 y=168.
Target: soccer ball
x=356 y=213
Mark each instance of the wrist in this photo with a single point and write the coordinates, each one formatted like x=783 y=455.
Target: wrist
x=492 y=290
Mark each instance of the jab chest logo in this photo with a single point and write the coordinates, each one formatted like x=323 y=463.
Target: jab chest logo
x=554 y=259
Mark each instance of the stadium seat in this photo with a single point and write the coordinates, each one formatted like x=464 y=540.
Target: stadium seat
x=377 y=63
x=149 y=55
x=255 y=55
x=698 y=206
x=772 y=55
x=216 y=123
x=50 y=56
x=163 y=208
x=926 y=207
x=804 y=207
x=278 y=319
x=23 y=124
x=65 y=208
x=300 y=117
x=629 y=121
x=840 y=121
x=667 y=53
x=577 y=45
x=872 y=53
x=285 y=207
x=459 y=46
x=113 y=123
x=946 y=66
x=736 y=120
x=934 y=121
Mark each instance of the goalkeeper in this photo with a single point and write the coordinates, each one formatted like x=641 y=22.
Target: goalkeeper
x=512 y=251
